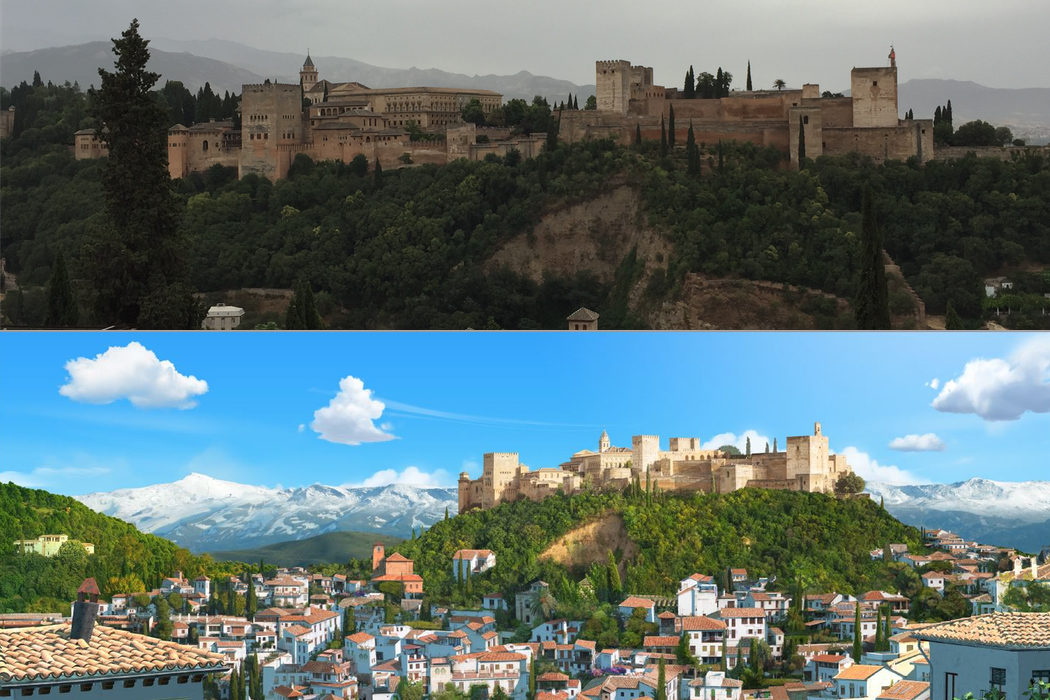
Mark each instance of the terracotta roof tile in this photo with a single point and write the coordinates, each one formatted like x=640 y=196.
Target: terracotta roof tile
x=1008 y=629
x=858 y=672
x=905 y=690
x=41 y=653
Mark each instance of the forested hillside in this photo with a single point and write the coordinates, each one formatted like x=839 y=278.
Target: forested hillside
x=125 y=560
x=821 y=540
x=408 y=248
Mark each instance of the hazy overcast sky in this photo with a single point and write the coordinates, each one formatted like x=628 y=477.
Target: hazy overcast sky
x=999 y=44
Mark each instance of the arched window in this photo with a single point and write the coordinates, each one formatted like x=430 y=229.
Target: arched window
x=204 y=146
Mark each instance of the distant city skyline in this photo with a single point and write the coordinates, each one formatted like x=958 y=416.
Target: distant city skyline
x=803 y=41
x=86 y=412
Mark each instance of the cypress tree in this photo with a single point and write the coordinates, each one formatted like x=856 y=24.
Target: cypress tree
x=878 y=629
x=937 y=116
x=576 y=102
x=61 y=306
x=532 y=679
x=748 y=446
x=637 y=134
x=952 y=322
x=801 y=143
x=774 y=444
x=858 y=648
x=377 y=173
x=661 y=681
x=136 y=264
x=663 y=138
x=871 y=307
x=947 y=114
x=689 y=89
x=615 y=585
x=670 y=128
x=749 y=76
x=692 y=152
x=724 y=665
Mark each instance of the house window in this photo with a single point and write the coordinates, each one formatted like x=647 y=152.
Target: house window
x=874 y=83
x=805 y=120
x=949 y=686
x=998 y=679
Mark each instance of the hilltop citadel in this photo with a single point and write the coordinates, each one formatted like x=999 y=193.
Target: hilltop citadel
x=805 y=465
x=326 y=120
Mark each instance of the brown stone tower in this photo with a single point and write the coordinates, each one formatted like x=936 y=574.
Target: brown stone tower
x=308 y=74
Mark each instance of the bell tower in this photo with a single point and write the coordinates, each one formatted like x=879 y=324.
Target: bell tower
x=308 y=74
x=603 y=442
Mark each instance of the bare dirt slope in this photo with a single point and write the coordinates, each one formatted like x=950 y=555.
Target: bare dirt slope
x=594 y=235
x=592 y=543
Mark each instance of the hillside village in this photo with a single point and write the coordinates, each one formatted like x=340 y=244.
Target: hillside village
x=722 y=637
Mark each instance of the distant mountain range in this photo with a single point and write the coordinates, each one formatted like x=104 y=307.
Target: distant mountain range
x=322 y=549
x=1025 y=111
x=1012 y=514
x=206 y=514
x=226 y=65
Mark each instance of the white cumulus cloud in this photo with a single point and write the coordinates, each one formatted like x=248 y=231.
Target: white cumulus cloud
x=349 y=417
x=998 y=390
x=934 y=383
x=868 y=467
x=758 y=442
x=412 y=476
x=927 y=442
x=134 y=373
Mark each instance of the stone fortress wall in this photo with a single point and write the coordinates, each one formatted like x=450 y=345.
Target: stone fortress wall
x=806 y=464
x=866 y=122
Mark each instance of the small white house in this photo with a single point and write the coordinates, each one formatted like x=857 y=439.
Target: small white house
x=222 y=318
x=467 y=562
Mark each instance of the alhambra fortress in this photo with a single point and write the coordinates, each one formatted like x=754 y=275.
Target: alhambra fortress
x=340 y=121
x=806 y=465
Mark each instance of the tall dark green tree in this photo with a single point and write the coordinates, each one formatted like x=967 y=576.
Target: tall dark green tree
x=637 y=134
x=692 y=151
x=858 y=647
x=663 y=138
x=871 y=306
x=670 y=127
x=251 y=604
x=135 y=263
x=952 y=322
x=302 y=311
x=689 y=89
x=749 y=76
x=61 y=304
x=748 y=447
x=615 y=585
x=801 y=143
x=661 y=681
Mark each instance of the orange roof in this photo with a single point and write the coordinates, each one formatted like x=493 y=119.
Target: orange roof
x=397 y=556
x=500 y=656
x=1008 y=629
x=741 y=612
x=701 y=622
x=47 y=653
x=360 y=637
x=636 y=602
x=858 y=672
x=659 y=641
x=552 y=676
x=828 y=658
x=905 y=690
x=471 y=553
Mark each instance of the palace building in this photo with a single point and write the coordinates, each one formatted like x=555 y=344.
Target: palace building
x=806 y=464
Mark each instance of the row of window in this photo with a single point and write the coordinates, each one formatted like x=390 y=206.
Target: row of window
x=88 y=687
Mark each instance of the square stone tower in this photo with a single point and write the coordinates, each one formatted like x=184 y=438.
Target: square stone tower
x=874 y=94
x=612 y=80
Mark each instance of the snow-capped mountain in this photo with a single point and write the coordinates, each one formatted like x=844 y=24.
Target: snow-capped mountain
x=205 y=514
x=1007 y=513
x=1028 y=501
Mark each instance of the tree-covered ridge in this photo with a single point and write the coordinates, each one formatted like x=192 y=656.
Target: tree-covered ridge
x=821 y=540
x=125 y=560
x=410 y=248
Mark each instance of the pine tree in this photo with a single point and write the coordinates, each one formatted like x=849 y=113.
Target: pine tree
x=858 y=647
x=61 y=305
x=801 y=143
x=871 y=306
x=136 y=263
x=749 y=76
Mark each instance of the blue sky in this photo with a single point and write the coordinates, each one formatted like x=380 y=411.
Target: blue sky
x=88 y=412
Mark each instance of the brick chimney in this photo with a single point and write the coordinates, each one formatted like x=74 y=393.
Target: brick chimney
x=85 y=610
